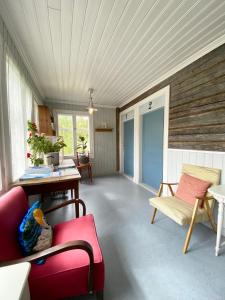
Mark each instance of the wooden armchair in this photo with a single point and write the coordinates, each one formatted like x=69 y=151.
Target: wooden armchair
x=74 y=264
x=182 y=212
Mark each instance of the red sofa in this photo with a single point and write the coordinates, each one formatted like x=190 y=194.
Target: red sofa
x=74 y=264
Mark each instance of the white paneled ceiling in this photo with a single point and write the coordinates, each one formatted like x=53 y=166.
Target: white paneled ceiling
x=118 y=47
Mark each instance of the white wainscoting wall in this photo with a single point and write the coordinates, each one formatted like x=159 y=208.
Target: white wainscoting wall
x=211 y=159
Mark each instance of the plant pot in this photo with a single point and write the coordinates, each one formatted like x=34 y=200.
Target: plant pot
x=83 y=159
x=51 y=158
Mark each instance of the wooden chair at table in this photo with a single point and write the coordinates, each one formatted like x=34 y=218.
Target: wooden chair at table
x=183 y=213
x=87 y=166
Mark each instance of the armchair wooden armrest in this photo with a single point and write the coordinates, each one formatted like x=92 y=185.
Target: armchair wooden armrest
x=73 y=201
x=169 y=183
x=79 y=244
x=169 y=186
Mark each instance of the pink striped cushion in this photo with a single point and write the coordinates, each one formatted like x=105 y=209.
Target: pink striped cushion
x=190 y=188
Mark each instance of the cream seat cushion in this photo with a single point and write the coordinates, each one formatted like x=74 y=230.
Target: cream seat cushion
x=178 y=210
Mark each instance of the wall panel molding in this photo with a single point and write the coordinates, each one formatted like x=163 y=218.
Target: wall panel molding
x=211 y=159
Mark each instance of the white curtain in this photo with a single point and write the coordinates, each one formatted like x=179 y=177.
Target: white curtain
x=19 y=98
x=1 y=118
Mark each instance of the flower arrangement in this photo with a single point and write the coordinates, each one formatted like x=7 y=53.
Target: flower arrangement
x=40 y=144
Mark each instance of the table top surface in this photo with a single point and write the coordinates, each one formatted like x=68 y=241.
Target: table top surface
x=217 y=190
x=59 y=176
x=67 y=163
x=12 y=280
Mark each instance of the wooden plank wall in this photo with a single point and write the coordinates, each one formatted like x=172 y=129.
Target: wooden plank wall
x=197 y=104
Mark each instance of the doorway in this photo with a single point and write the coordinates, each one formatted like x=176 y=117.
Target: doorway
x=129 y=147
x=152 y=147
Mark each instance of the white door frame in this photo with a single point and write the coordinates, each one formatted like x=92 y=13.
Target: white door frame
x=165 y=93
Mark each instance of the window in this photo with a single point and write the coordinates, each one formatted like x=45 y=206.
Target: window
x=82 y=129
x=65 y=129
x=73 y=125
x=19 y=98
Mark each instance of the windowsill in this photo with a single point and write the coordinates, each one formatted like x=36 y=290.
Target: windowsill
x=91 y=155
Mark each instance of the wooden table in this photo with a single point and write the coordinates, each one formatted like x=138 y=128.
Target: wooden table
x=67 y=180
x=218 y=192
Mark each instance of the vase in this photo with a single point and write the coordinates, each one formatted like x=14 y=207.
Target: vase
x=51 y=158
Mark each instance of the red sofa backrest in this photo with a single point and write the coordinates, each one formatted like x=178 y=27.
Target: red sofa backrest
x=13 y=207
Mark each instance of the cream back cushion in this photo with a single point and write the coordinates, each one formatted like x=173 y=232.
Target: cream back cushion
x=208 y=174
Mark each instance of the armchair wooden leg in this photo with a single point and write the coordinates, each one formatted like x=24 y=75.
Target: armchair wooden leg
x=191 y=227
x=155 y=209
x=160 y=190
x=210 y=215
x=100 y=295
x=153 y=217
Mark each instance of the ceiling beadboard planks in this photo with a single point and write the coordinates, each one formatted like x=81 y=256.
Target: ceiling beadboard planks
x=106 y=43
x=54 y=16
x=67 y=8
x=79 y=14
x=167 y=54
x=103 y=16
x=32 y=32
x=156 y=11
x=49 y=77
x=118 y=47
x=92 y=12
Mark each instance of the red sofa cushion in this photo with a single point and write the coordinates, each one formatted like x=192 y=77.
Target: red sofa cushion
x=13 y=207
x=66 y=274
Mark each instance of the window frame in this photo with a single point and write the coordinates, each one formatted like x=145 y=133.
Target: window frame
x=74 y=114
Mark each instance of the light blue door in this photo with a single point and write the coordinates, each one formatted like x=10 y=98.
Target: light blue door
x=129 y=147
x=152 y=148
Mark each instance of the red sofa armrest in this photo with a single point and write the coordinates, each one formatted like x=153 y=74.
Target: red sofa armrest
x=79 y=244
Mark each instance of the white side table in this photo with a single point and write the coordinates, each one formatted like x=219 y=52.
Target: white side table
x=218 y=192
x=14 y=283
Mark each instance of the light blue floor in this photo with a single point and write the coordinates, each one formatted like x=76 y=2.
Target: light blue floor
x=144 y=261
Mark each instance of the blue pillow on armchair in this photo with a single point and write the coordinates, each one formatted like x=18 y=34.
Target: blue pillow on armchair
x=29 y=230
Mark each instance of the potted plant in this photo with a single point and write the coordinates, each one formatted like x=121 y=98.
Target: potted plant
x=82 y=146
x=51 y=151
x=40 y=144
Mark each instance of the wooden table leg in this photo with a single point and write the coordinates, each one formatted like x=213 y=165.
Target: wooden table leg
x=90 y=173
x=76 y=189
x=76 y=193
x=219 y=228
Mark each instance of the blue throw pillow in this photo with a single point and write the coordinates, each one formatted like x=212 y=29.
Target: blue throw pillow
x=29 y=230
